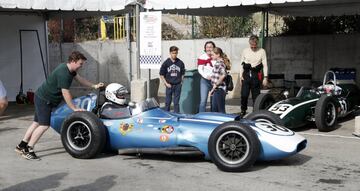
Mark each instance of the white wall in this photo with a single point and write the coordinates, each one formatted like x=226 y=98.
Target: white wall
x=108 y=61
x=313 y=54
x=10 y=52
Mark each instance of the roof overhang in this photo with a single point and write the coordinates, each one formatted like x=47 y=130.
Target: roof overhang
x=245 y=7
x=66 y=8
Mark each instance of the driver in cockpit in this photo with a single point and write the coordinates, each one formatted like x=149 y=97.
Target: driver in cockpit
x=116 y=105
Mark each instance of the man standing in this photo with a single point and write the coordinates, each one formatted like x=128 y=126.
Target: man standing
x=253 y=60
x=3 y=99
x=48 y=96
x=172 y=74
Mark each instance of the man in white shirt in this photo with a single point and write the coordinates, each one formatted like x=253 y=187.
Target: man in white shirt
x=253 y=61
x=3 y=99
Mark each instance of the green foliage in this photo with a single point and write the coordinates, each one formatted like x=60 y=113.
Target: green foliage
x=74 y=30
x=169 y=32
x=212 y=27
x=87 y=29
x=321 y=25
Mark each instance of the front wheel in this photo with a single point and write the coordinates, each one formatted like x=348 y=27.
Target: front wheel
x=325 y=113
x=265 y=116
x=233 y=147
x=83 y=135
x=263 y=101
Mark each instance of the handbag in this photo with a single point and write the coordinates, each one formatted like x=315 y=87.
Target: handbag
x=229 y=82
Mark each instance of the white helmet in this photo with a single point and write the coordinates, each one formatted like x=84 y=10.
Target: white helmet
x=116 y=93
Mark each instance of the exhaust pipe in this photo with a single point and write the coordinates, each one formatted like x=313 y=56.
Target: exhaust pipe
x=165 y=151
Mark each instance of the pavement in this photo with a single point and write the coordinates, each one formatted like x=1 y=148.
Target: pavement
x=330 y=162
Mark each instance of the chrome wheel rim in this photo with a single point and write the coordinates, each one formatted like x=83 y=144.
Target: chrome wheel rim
x=330 y=111
x=232 y=147
x=79 y=135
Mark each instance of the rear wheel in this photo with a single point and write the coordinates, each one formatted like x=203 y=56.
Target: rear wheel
x=233 y=147
x=83 y=135
x=265 y=116
x=263 y=101
x=325 y=113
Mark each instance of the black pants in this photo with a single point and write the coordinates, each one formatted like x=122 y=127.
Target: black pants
x=176 y=91
x=249 y=84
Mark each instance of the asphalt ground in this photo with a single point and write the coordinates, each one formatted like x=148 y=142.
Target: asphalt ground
x=331 y=161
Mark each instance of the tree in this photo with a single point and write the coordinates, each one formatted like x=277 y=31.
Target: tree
x=321 y=25
x=169 y=33
x=212 y=27
x=74 y=30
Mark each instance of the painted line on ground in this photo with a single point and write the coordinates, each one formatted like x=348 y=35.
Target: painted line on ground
x=336 y=136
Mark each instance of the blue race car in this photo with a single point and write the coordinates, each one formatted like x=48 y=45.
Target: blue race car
x=232 y=143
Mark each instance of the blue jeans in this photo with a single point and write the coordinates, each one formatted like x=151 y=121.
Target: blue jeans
x=176 y=91
x=205 y=87
x=218 y=101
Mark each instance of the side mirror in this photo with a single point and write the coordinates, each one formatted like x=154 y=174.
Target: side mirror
x=132 y=104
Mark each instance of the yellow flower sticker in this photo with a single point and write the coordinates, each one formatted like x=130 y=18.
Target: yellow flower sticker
x=125 y=128
x=167 y=129
x=164 y=138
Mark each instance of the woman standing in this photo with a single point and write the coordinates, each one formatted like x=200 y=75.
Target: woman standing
x=205 y=70
x=218 y=91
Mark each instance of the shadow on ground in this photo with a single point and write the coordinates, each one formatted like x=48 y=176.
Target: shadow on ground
x=17 y=111
x=296 y=160
x=39 y=184
x=103 y=183
x=53 y=181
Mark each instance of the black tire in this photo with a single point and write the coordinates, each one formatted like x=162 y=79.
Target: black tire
x=265 y=116
x=83 y=135
x=325 y=113
x=244 y=153
x=263 y=101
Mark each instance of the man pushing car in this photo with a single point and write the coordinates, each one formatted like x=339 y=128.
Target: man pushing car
x=48 y=96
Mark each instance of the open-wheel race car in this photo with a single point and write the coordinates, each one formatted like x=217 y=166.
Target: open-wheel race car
x=322 y=105
x=232 y=143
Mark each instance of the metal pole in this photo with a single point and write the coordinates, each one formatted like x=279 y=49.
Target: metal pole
x=192 y=26
x=128 y=40
x=47 y=44
x=61 y=36
x=148 y=81
x=262 y=36
x=267 y=23
x=148 y=84
x=21 y=63
x=137 y=15
x=41 y=53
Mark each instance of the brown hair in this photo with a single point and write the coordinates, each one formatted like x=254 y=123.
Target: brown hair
x=209 y=42
x=75 y=56
x=173 y=48
x=219 y=51
x=254 y=38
